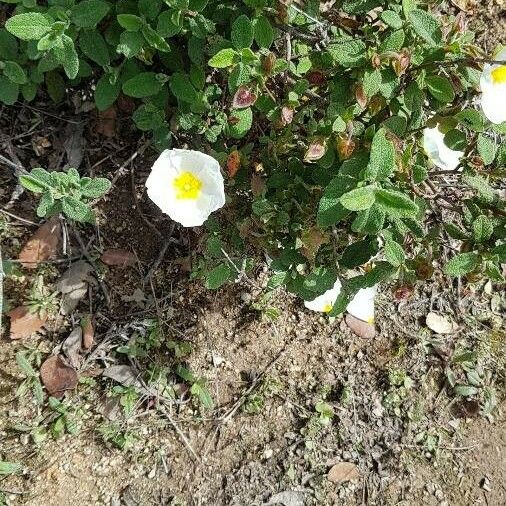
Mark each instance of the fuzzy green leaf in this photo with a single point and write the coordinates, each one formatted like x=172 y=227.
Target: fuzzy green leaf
x=182 y=88
x=242 y=32
x=89 y=13
x=395 y=203
x=94 y=187
x=440 y=88
x=142 y=85
x=487 y=149
x=93 y=46
x=481 y=185
x=483 y=228
x=130 y=22
x=330 y=210
x=263 y=32
x=461 y=264
x=242 y=121
x=28 y=26
x=14 y=72
x=66 y=54
x=224 y=58
x=382 y=160
x=359 y=198
x=106 y=93
x=394 y=253
x=426 y=26
x=219 y=276
x=9 y=91
x=76 y=209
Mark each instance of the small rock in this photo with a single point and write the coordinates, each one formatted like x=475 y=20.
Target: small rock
x=485 y=484
x=343 y=472
x=439 y=324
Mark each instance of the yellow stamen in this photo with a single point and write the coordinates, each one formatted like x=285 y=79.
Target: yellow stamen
x=188 y=186
x=370 y=319
x=499 y=75
x=327 y=308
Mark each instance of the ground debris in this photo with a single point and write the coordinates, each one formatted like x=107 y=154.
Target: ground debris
x=118 y=257
x=440 y=324
x=24 y=323
x=57 y=376
x=342 y=472
x=42 y=245
x=288 y=498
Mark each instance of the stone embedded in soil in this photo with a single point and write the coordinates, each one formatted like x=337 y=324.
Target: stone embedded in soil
x=360 y=327
x=342 y=472
x=24 y=323
x=42 y=245
x=57 y=376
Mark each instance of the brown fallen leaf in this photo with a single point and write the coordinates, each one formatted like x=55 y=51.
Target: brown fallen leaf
x=360 y=327
x=57 y=376
x=42 y=245
x=106 y=122
x=118 y=257
x=24 y=323
x=88 y=332
x=342 y=472
x=233 y=163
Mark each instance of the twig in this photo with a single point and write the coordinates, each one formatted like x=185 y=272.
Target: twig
x=121 y=171
x=12 y=215
x=2 y=274
x=159 y=259
x=241 y=272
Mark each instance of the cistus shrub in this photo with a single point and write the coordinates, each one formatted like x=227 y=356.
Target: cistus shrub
x=354 y=133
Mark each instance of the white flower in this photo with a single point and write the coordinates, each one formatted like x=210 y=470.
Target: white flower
x=187 y=185
x=493 y=89
x=439 y=153
x=361 y=306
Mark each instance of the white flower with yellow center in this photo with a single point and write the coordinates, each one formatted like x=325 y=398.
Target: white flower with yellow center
x=493 y=89
x=438 y=152
x=187 y=185
x=361 y=306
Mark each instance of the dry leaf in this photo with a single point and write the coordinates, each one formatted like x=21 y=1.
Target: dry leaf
x=360 y=96
x=118 y=257
x=73 y=284
x=316 y=78
x=440 y=324
x=342 y=472
x=244 y=97
x=72 y=346
x=345 y=147
x=57 y=376
x=258 y=185
x=106 y=122
x=88 y=332
x=233 y=163
x=42 y=245
x=315 y=150
x=360 y=327
x=24 y=323
x=287 y=115
x=312 y=240
x=288 y=498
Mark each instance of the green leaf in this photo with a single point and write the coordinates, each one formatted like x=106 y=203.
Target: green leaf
x=166 y=25
x=408 y=6
x=348 y=52
x=360 y=6
x=9 y=91
x=89 y=13
x=94 y=187
x=461 y=264
x=33 y=183
x=142 y=85
x=481 y=185
x=369 y=221
x=487 y=149
x=483 y=228
x=456 y=140
x=330 y=210
x=500 y=251
x=130 y=22
x=14 y=72
x=394 y=253
x=46 y=202
x=29 y=91
x=149 y=117
x=67 y=56
x=106 y=93
x=391 y=18
x=263 y=32
x=382 y=160
x=24 y=365
x=395 y=203
x=55 y=86
x=93 y=46
x=28 y=26
x=455 y=232
x=359 y=253
x=242 y=32
x=224 y=58
x=372 y=82
x=130 y=44
x=182 y=88
x=76 y=210
x=7 y=468
x=219 y=276
x=8 y=45
x=426 y=26
x=359 y=198
x=155 y=40
x=472 y=119
x=242 y=121
x=440 y=88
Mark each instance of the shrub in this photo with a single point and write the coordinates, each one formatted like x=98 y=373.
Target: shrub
x=320 y=115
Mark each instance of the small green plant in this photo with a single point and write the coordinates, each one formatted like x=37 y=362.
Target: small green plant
x=41 y=300
x=66 y=419
x=269 y=387
x=400 y=386
x=114 y=434
x=29 y=362
x=128 y=398
x=198 y=387
x=65 y=192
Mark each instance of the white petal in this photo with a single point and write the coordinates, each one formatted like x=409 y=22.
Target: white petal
x=362 y=305
x=325 y=300
x=493 y=102
x=439 y=153
x=160 y=185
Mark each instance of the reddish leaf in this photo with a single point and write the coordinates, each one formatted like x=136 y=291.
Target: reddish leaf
x=24 y=323
x=345 y=147
x=403 y=292
x=125 y=104
x=342 y=472
x=360 y=327
x=315 y=150
x=88 y=332
x=57 y=376
x=287 y=115
x=233 y=163
x=42 y=245
x=316 y=78
x=118 y=257
x=268 y=63
x=244 y=97
x=360 y=96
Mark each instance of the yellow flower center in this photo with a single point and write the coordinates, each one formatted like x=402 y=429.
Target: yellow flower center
x=370 y=319
x=327 y=308
x=499 y=75
x=188 y=186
